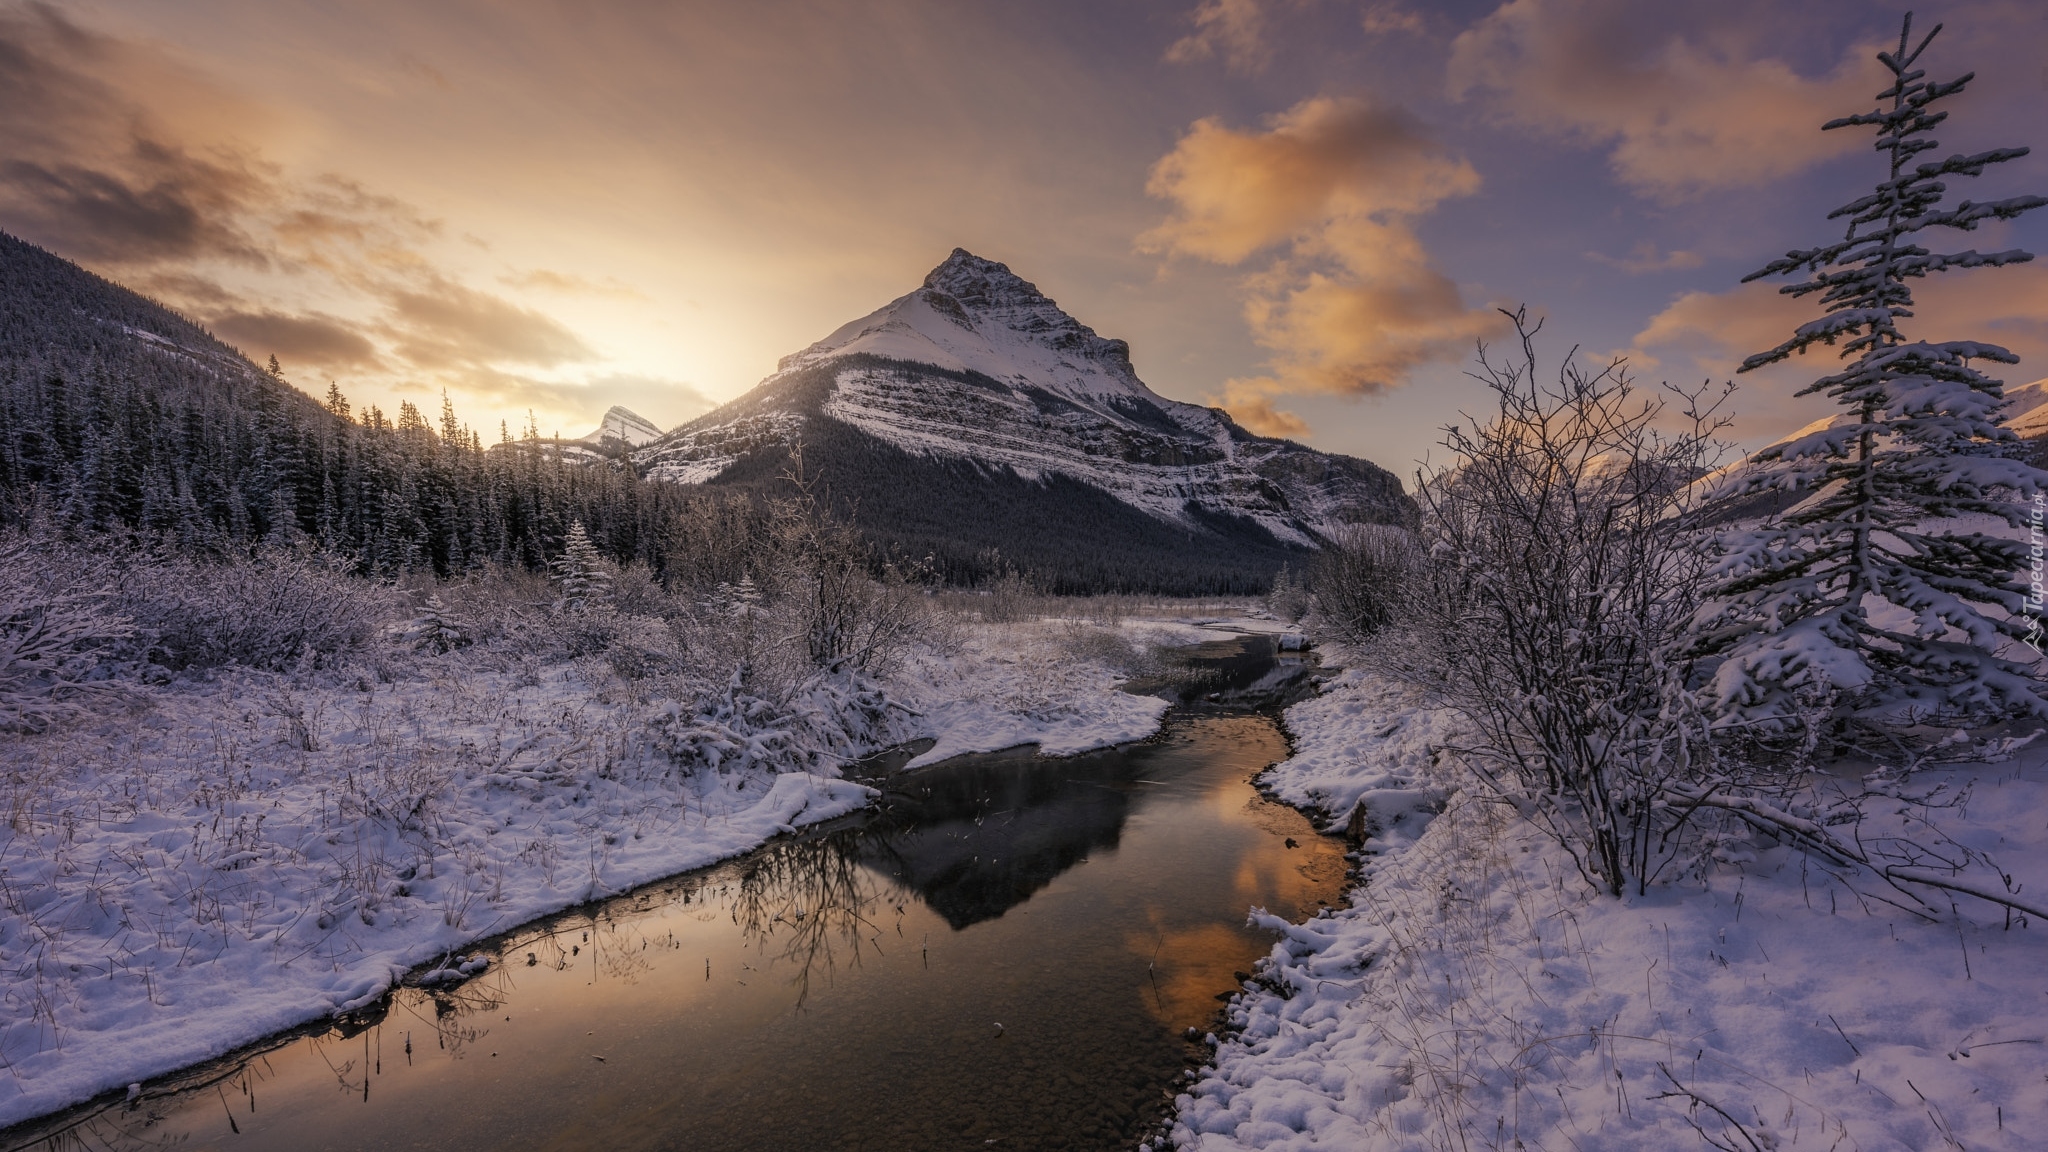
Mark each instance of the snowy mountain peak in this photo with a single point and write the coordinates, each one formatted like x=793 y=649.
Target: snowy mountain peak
x=623 y=424
x=975 y=315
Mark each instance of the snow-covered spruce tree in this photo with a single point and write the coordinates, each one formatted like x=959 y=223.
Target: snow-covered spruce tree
x=580 y=572
x=1860 y=599
x=434 y=628
x=1561 y=568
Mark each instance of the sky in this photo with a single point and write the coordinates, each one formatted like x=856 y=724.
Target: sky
x=1307 y=211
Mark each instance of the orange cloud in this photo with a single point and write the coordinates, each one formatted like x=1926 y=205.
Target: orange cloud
x=1355 y=303
x=1250 y=402
x=1682 y=116
x=1321 y=160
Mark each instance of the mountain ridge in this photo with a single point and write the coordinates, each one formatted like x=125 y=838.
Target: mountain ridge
x=979 y=374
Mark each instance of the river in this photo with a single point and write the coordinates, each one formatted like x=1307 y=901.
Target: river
x=1008 y=952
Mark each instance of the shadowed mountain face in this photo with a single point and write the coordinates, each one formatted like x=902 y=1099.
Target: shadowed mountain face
x=973 y=414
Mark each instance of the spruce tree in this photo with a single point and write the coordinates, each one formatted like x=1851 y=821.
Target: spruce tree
x=1860 y=596
x=580 y=571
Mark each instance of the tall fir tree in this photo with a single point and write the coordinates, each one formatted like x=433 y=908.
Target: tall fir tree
x=1861 y=595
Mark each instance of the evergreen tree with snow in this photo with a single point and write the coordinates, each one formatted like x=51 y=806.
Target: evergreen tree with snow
x=580 y=572
x=434 y=628
x=1866 y=596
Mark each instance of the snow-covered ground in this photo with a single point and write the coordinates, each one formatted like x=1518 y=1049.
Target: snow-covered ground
x=250 y=852
x=1476 y=994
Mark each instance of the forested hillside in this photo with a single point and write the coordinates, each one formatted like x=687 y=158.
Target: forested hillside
x=117 y=414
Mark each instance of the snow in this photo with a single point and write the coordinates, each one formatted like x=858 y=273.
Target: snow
x=1476 y=994
x=1007 y=430
x=975 y=315
x=699 y=456
x=251 y=852
x=1020 y=685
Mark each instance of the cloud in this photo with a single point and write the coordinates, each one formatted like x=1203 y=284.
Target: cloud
x=313 y=338
x=443 y=324
x=1234 y=29
x=1250 y=403
x=570 y=284
x=1352 y=302
x=1644 y=257
x=1681 y=114
x=1710 y=333
x=88 y=170
x=1388 y=19
x=113 y=155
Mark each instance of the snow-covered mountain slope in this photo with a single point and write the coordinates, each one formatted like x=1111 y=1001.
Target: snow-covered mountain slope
x=978 y=367
x=622 y=424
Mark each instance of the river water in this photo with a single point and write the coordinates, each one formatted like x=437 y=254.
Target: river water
x=1008 y=953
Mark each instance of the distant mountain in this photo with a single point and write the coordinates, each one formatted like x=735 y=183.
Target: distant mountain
x=616 y=436
x=623 y=425
x=974 y=418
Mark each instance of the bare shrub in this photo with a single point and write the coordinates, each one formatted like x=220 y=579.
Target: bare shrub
x=637 y=592
x=1105 y=646
x=495 y=603
x=718 y=537
x=1563 y=573
x=1360 y=579
x=849 y=613
x=1011 y=597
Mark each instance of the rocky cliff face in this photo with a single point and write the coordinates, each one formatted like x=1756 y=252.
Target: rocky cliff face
x=977 y=364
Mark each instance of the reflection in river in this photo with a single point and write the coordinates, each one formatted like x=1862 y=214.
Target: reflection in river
x=1005 y=950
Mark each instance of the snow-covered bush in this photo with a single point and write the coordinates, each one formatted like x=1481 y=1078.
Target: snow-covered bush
x=434 y=628
x=643 y=647
x=1563 y=571
x=279 y=610
x=828 y=720
x=1866 y=589
x=57 y=631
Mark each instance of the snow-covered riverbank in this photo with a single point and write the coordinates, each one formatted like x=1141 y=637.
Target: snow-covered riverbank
x=250 y=852
x=1477 y=994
